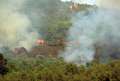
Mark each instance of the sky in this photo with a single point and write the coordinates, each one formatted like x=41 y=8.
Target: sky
x=91 y=2
x=99 y=3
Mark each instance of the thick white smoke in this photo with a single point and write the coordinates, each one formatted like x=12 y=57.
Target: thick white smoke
x=102 y=25
x=15 y=27
x=99 y=26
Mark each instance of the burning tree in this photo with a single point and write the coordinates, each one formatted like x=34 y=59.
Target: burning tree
x=71 y=7
x=75 y=6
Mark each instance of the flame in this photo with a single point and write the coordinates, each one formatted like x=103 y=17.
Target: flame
x=58 y=41
x=76 y=7
x=75 y=42
x=71 y=7
x=39 y=40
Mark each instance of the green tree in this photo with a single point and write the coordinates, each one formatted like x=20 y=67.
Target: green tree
x=71 y=68
x=30 y=67
x=20 y=66
x=23 y=75
x=12 y=65
x=21 y=56
x=41 y=58
x=38 y=62
x=31 y=76
x=3 y=63
x=41 y=67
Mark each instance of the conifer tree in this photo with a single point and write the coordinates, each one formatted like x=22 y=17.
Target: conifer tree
x=3 y=62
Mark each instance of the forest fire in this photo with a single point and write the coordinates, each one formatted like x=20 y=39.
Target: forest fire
x=75 y=41
x=37 y=42
x=71 y=7
x=76 y=7
x=40 y=40
x=58 y=41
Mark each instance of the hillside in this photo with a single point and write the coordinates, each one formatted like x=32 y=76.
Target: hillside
x=51 y=19
x=51 y=40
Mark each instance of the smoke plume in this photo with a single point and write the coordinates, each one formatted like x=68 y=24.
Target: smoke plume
x=16 y=29
x=101 y=26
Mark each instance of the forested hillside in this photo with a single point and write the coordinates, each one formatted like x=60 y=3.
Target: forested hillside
x=52 y=20
x=55 y=69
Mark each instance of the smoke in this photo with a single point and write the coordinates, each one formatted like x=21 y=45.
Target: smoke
x=102 y=25
x=35 y=10
x=16 y=29
x=109 y=3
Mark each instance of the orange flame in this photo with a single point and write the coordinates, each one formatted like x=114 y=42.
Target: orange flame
x=76 y=7
x=71 y=7
x=75 y=42
x=39 y=40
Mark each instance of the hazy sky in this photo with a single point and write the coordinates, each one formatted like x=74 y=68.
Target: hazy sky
x=100 y=3
x=91 y=2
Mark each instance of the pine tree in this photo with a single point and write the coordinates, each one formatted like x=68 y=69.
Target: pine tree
x=3 y=62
